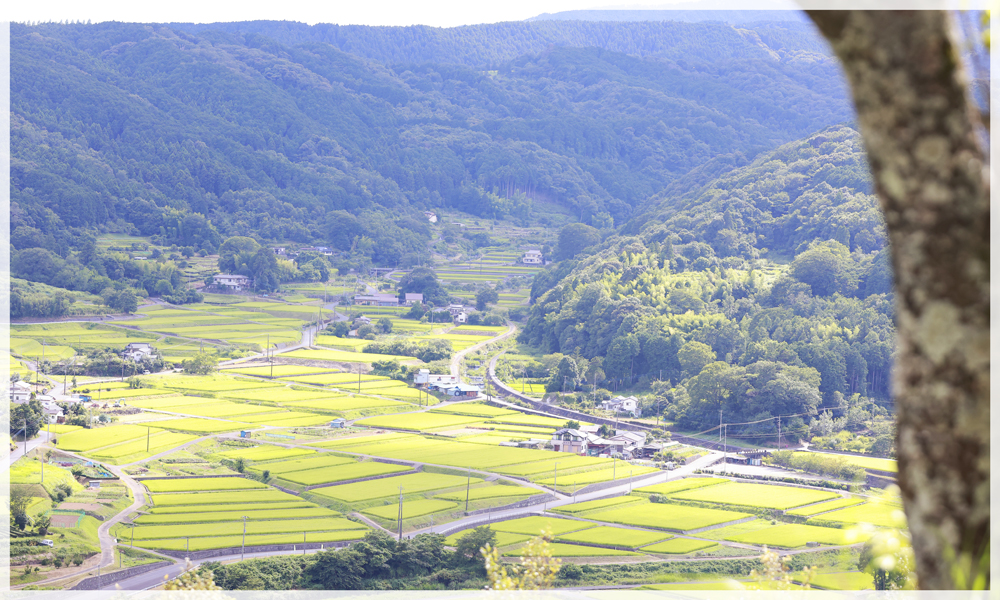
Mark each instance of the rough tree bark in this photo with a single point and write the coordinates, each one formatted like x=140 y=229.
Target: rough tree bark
x=930 y=172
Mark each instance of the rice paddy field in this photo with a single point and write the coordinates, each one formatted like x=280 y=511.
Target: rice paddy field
x=756 y=495
x=347 y=379
x=623 y=471
x=314 y=460
x=571 y=550
x=546 y=463
x=382 y=488
x=670 y=517
x=868 y=462
x=688 y=483
x=473 y=409
x=78 y=336
x=679 y=546
x=617 y=537
x=796 y=536
x=533 y=526
x=582 y=507
x=344 y=403
x=302 y=512
x=266 y=452
x=200 y=425
x=160 y=441
x=347 y=357
x=879 y=514
x=221 y=498
x=235 y=541
x=343 y=472
x=90 y=439
x=277 y=371
x=503 y=538
x=285 y=419
x=202 y=484
x=815 y=509
x=512 y=492
x=411 y=509
x=419 y=421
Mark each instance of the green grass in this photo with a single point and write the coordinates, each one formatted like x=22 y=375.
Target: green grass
x=235 y=541
x=411 y=509
x=473 y=409
x=756 y=495
x=671 y=517
x=867 y=462
x=382 y=488
x=346 y=357
x=60 y=428
x=253 y=526
x=206 y=484
x=679 y=485
x=418 y=421
x=570 y=550
x=534 y=525
x=293 y=504
x=265 y=452
x=679 y=546
x=597 y=504
x=200 y=425
x=343 y=472
x=492 y=491
x=854 y=580
x=794 y=536
x=808 y=511
x=622 y=471
x=503 y=538
x=192 y=499
x=615 y=536
x=89 y=439
x=159 y=441
x=278 y=370
x=343 y=403
x=235 y=515
x=546 y=463
x=318 y=461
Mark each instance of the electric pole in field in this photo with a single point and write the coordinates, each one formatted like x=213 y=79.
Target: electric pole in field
x=400 y=519
x=243 y=551
x=468 y=483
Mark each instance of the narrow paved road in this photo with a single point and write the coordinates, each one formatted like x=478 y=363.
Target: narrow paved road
x=456 y=361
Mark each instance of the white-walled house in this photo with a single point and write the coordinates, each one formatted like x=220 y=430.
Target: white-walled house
x=237 y=283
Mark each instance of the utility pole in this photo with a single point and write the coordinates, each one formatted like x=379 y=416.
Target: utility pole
x=267 y=353
x=720 y=424
x=399 y=521
x=779 y=433
x=725 y=449
x=614 y=467
x=243 y=550
x=147 y=438
x=468 y=482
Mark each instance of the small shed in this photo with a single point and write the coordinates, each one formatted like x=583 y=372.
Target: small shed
x=338 y=423
x=244 y=434
x=95 y=485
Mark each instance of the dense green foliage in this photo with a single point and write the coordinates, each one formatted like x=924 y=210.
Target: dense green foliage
x=732 y=331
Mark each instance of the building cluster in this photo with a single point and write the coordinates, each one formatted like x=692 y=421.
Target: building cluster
x=622 y=404
x=138 y=352
x=586 y=441
x=20 y=393
x=447 y=383
x=532 y=257
x=285 y=252
x=236 y=283
x=387 y=299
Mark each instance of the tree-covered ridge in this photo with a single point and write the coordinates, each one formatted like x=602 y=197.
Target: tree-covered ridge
x=226 y=131
x=729 y=330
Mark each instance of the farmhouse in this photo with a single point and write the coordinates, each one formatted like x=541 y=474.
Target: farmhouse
x=425 y=378
x=621 y=404
x=20 y=392
x=236 y=283
x=376 y=300
x=409 y=299
x=137 y=352
x=433 y=218
x=532 y=257
x=462 y=389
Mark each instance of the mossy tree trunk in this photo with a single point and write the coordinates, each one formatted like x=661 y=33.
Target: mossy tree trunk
x=930 y=172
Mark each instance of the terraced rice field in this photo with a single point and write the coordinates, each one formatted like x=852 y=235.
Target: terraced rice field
x=346 y=357
x=382 y=488
x=670 y=517
x=570 y=550
x=342 y=403
x=349 y=380
x=877 y=514
x=581 y=507
x=30 y=348
x=623 y=471
x=796 y=536
x=282 y=395
x=315 y=461
x=473 y=409
x=285 y=419
x=90 y=439
x=617 y=537
x=127 y=394
x=547 y=464
x=688 y=483
x=411 y=509
x=202 y=484
x=214 y=384
x=266 y=452
x=158 y=442
x=523 y=419
x=344 y=472
x=534 y=525
x=808 y=511
x=278 y=370
x=237 y=515
x=200 y=425
x=219 y=409
x=503 y=538
x=418 y=421
x=235 y=528
x=492 y=491
x=243 y=508
x=358 y=441
x=221 y=498
x=756 y=495
x=679 y=546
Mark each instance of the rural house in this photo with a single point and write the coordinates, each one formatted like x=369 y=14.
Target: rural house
x=137 y=352
x=237 y=283
x=532 y=257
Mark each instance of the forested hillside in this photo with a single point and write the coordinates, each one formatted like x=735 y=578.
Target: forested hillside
x=683 y=294
x=285 y=132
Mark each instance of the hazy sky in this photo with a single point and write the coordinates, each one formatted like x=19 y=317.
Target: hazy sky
x=439 y=13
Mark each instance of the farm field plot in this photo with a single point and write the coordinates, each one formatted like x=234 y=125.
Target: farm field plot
x=503 y=538
x=679 y=485
x=581 y=507
x=408 y=394
x=523 y=419
x=343 y=472
x=61 y=428
x=621 y=472
x=615 y=536
x=418 y=421
x=278 y=370
x=219 y=409
x=281 y=395
x=795 y=536
x=340 y=403
x=266 y=452
x=200 y=425
x=494 y=438
x=332 y=341
x=525 y=387
x=30 y=348
x=808 y=511
x=358 y=441
x=182 y=509
x=304 y=512
x=158 y=442
x=533 y=431
x=489 y=330
x=413 y=508
x=223 y=498
x=870 y=462
x=106 y=386
x=679 y=546
x=316 y=461
x=756 y=495
x=877 y=514
x=852 y=580
x=126 y=393
x=546 y=464
x=473 y=409
x=89 y=439
x=381 y=488
x=569 y=550
x=207 y=484
x=493 y=491
x=30 y=471
x=345 y=379
x=666 y=516
x=165 y=403
x=285 y=419
x=224 y=528
x=348 y=357
x=220 y=384
x=377 y=385
x=533 y=526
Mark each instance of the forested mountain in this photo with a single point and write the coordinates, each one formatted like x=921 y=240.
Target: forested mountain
x=682 y=295
x=687 y=15
x=323 y=134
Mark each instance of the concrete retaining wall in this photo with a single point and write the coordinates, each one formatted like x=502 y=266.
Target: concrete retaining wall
x=537 y=499
x=96 y=583
x=372 y=478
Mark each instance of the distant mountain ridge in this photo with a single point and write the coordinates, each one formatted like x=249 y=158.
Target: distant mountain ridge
x=686 y=16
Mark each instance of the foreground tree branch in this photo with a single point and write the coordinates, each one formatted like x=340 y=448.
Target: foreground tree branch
x=931 y=177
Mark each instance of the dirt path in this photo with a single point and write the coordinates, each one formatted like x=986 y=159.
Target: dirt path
x=456 y=360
